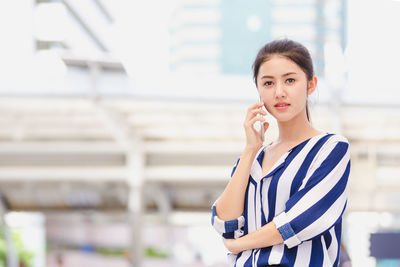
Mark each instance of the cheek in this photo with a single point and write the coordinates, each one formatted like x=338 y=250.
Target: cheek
x=267 y=98
x=263 y=95
x=301 y=93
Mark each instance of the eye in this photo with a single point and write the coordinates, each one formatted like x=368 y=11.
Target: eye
x=290 y=80
x=268 y=83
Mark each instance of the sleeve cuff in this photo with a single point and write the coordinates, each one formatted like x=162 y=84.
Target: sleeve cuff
x=229 y=229
x=289 y=237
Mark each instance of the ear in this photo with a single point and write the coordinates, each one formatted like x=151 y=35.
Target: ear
x=312 y=85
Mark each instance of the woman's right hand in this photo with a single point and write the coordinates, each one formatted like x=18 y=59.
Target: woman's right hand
x=253 y=137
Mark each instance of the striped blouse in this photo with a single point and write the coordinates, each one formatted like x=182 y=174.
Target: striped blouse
x=305 y=195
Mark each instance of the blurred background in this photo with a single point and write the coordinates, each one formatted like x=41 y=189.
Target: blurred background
x=120 y=122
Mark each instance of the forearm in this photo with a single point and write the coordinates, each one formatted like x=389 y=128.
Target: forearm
x=266 y=236
x=230 y=204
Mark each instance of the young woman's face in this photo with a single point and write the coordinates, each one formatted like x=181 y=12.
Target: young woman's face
x=284 y=87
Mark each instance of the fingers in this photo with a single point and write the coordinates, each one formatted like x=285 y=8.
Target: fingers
x=253 y=120
x=258 y=111
x=254 y=137
x=254 y=110
x=256 y=105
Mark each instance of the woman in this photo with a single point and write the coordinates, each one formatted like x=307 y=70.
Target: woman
x=284 y=202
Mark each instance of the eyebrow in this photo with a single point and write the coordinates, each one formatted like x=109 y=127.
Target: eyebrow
x=284 y=75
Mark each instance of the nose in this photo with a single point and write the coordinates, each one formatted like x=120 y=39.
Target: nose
x=280 y=90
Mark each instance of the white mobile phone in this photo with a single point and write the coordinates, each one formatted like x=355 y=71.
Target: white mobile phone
x=262 y=124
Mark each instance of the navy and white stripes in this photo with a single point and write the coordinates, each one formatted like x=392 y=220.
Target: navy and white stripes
x=305 y=195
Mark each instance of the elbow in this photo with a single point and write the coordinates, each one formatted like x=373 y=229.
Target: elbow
x=227 y=228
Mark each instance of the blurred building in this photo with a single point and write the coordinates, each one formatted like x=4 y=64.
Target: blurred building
x=207 y=35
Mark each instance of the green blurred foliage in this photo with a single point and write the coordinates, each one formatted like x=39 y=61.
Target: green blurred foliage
x=25 y=257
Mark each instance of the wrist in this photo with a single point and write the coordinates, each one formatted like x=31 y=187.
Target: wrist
x=252 y=151
x=239 y=245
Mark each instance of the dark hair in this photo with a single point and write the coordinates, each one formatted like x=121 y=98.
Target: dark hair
x=292 y=50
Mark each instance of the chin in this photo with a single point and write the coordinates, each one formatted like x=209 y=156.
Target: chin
x=283 y=117
x=284 y=120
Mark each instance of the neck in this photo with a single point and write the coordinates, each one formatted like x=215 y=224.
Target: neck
x=295 y=130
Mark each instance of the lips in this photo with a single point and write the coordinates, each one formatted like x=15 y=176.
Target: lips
x=281 y=104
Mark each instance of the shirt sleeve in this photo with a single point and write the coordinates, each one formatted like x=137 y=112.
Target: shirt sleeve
x=231 y=228
x=321 y=199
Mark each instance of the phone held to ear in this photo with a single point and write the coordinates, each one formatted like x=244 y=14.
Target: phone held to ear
x=262 y=123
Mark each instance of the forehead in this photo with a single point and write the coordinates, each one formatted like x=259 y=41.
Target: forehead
x=278 y=65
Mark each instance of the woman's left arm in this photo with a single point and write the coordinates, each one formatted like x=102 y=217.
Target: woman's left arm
x=266 y=236
x=313 y=209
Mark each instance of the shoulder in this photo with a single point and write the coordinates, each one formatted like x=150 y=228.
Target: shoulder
x=335 y=141
x=335 y=145
x=334 y=151
x=334 y=138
